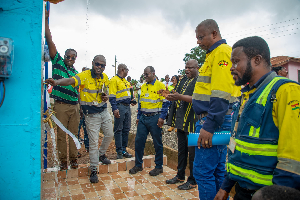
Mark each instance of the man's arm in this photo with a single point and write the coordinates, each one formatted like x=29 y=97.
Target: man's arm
x=50 y=43
x=181 y=97
x=220 y=95
x=62 y=82
x=112 y=94
x=286 y=112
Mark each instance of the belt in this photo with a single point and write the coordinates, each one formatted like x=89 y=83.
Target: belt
x=150 y=114
x=60 y=102
x=202 y=115
x=125 y=104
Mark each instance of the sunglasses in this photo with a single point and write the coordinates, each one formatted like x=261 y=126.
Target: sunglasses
x=99 y=64
x=70 y=57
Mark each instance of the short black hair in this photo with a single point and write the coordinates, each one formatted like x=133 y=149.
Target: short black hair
x=277 y=192
x=151 y=68
x=71 y=50
x=277 y=69
x=210 y=24
x=253 y=46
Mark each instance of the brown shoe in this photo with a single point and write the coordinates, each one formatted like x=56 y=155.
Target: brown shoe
x=74 y=164
x=63 y=165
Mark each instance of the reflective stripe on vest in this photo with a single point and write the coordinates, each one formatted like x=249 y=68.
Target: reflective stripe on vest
x=262 y=100
x=250 y=174
x=263 y=97
x=256 y=149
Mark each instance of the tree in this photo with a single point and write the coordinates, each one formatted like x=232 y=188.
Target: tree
x=181 y=71
x=196 y=53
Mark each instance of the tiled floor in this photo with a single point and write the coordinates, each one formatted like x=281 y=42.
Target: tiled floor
x=118 y=185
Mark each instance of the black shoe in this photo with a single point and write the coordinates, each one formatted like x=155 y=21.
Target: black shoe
x=74 y=164
x=119 y=155
x=78 y=155
x=94 y=176
x=135 y=170
x=127 y=155
x=63 y=165
x=155 y=171
x=186 y=186
x=104 y=160
x=174 y=180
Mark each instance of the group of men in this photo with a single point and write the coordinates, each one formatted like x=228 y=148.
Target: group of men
x=264 y=123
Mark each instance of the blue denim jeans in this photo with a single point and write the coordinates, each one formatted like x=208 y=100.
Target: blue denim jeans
x=146 y=125
x=209 y=164
x=122 y=127
x=86 y=137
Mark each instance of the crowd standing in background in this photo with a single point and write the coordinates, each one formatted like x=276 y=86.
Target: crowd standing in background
x=262 y=118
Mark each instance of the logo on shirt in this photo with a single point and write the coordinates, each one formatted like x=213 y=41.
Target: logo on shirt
x=223 y=63
x=295 y=105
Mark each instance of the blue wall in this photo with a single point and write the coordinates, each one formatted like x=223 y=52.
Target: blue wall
x=20 y=114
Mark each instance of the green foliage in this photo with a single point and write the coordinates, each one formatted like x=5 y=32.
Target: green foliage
x=196 y=53
x=133 y=82
x=181 y=71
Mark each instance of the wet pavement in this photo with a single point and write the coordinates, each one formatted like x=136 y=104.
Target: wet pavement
x=114 y=185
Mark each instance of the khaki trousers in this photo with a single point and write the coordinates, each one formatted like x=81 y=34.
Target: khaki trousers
x=68 y=115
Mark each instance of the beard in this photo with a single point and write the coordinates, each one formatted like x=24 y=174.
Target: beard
x=246 y=77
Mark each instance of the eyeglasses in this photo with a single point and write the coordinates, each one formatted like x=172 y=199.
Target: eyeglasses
x=70 y=57
x=99 y=64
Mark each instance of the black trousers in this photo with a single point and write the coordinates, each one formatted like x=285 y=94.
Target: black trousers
x=183 y=152
x=243 y=194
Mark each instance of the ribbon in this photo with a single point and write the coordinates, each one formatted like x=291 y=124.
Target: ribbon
x=58 y=123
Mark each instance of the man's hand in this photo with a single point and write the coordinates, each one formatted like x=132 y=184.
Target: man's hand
x=173 y=97
x=104 y=97
x=160 y=122
x=133 y=102
x=205 y=138
x=137 y=121
x=221 y=195
x=116 y=113
x=51 y=81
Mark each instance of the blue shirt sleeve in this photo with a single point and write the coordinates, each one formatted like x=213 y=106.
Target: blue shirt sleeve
x=227 y=184
x=113 y=103
x=216 y=114
x=164 y=109
x=285 y=178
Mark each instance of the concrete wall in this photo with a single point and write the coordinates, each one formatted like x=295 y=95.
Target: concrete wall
x=20 y=114
x=293 y=68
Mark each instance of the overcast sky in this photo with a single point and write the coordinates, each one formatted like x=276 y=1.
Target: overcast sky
x=160 y=32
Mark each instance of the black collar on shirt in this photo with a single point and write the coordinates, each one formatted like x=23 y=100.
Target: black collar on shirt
x=215 y=45
x=247 y=87
x=119 y=76
x=152 y=82
x=94 y=75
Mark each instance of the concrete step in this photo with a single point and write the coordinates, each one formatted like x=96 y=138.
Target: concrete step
x=115 y=166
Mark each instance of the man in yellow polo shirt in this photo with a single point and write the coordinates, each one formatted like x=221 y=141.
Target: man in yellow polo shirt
x=93 y=101
x=152 y=111
x=211 y=99
x=120 y=100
